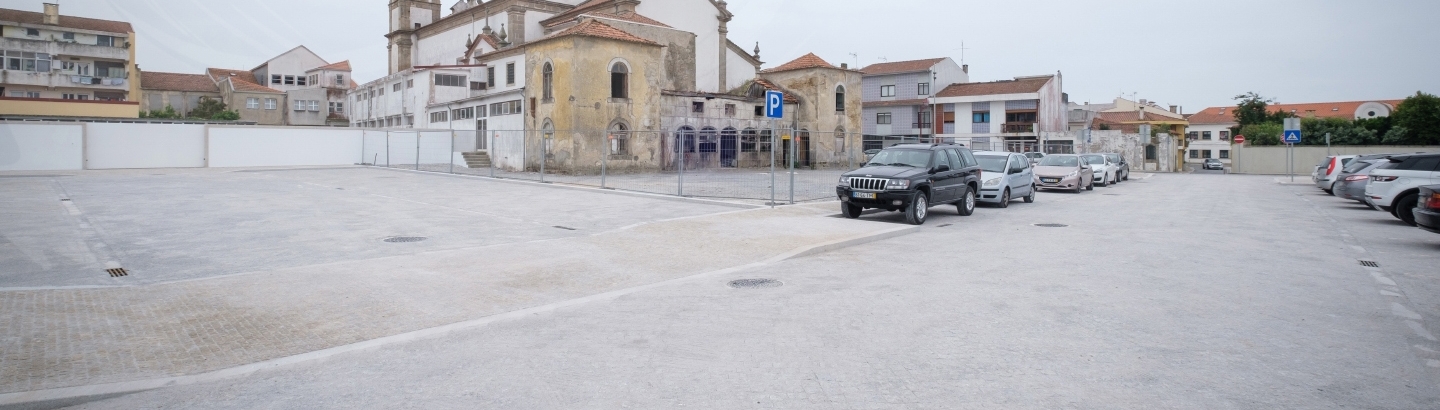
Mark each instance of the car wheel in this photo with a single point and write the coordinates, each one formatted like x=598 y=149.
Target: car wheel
x=1005 y=198
x=1104 y=181
x=1030 y=199
x=1078 y=188
x=1127 y=175
x=1405 y=208
x=966 y=207
x=917 y=211
x=851 y=211
x=1331 y=192
x=1090 y=187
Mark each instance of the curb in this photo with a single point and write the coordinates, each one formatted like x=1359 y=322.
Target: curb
x=564 y=185
x=70 y=396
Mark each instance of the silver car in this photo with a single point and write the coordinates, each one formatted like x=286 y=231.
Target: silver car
x=1005 y=176
x=1105 y=171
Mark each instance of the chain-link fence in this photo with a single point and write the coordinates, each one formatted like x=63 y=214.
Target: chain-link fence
x=780 y=166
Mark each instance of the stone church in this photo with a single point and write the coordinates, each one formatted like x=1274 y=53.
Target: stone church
x=642 y=85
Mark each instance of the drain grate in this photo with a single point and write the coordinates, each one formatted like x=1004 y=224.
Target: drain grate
x=117 y=272
x=1370 y=264
x=1052 y=225
x=754 y=283
x=564 y=227
x=64 y=199
x=942 y=226
x=405 y=239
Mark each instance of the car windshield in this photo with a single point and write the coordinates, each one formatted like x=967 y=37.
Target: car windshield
x=1357 y=166
x=1113 y=158
x=1060 y=161
x=901 y=158
x=1033 y=155
x=1095 y=159
x=991 y=163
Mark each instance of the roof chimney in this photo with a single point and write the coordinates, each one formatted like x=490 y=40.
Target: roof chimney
x=1175 y=109
x=623 y=7
x=844 y=66
x=52 y=14
x=965 y=68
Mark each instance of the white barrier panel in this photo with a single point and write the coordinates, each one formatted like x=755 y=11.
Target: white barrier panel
x=293 y=146
x=41 y=147
x=122 y=145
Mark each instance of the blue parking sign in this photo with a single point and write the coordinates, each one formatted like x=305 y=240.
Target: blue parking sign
x=774 y=104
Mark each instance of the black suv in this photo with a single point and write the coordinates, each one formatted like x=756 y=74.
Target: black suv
x=912 y=178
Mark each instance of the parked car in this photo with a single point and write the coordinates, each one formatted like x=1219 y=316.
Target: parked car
x=912 y=178
x=1122 y=167
x=1007 y=176
x=1396 y=188
x=1035 y=157
x=1327 y=170
x=1064 y=171
x=1427 y=208
x=870 y=153
x=1212 y=163
x=1353 y=179
x=1105 y=171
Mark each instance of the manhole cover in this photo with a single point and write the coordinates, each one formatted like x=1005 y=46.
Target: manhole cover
x=754 y=283
x=1051 y=225
x=405 y=239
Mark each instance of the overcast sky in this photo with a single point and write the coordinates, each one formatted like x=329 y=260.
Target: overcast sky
x=1189 y=53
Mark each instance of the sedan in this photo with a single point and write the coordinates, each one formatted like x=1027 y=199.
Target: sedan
x=1212 y=163
x=1007 y=176
x=1350 y=184
x=1064 y=171
x=1105 y=171
x=1427 y=209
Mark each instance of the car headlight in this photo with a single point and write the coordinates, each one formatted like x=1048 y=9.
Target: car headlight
x=845 y=182
x=1073 y=173
x=993 y=182
x=898 y=184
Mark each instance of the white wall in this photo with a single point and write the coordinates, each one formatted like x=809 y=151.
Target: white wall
x=41 y=147
x=738 y=71
x=698 y=17
x=118 y=146
x=267 y=146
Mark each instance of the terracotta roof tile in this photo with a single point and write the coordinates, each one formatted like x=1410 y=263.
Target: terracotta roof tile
x=1342 y=109
x=243 y=81
x=901 y=66
x=766 y=84
x=572 y=13
x=630 y=17
x=594 y=28
x=1020 y=86
x=1134 y=117
x=806 y=61
x=340 y=66
x=154 y=80
x=30 y=17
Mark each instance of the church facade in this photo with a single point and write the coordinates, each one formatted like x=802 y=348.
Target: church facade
x=634 y=85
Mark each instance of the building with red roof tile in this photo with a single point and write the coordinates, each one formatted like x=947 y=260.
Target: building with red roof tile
x=896 y=98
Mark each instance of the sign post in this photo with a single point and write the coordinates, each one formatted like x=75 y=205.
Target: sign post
x=1292 y=137
x=775 y=110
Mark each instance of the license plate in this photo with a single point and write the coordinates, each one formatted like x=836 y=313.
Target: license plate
x=1050 y=180
x=864 y=195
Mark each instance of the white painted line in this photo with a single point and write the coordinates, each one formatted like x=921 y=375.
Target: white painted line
x=1400 y=310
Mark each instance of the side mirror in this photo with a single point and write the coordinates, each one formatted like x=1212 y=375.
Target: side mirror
x=941 y=168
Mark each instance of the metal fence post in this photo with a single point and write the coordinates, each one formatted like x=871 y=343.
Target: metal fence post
x=387 y=148
x=680 y=145
x=490 y=152
x=604 y=157
x=791 y=160
x=417 y=150
x=773 y=133
x=544 y=153
x=452 y=151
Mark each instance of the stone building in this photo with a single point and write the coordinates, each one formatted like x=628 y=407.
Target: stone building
x=295 y=88
x=574 y=83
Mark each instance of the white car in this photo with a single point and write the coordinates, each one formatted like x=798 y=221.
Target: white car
x=1328 y=169
x=1395 y=187
x=1104 y=169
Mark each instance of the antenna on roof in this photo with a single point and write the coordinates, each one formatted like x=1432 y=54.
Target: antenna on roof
x=857 y=60
x=962 y=51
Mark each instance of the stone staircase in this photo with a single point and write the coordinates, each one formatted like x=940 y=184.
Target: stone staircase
x=476 y=159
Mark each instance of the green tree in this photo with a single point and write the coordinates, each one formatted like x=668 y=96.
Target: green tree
x=228 y=115
x=207 y=108
x=1255 y=109
x=167 y=113
x=1262 y=134
x=1341 y=131
x=1419 y=116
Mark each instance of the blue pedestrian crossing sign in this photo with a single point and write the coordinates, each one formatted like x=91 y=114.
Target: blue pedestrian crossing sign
x=774 y=104
x=1292 y=136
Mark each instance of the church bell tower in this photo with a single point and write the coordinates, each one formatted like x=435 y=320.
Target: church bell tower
x=406 y=18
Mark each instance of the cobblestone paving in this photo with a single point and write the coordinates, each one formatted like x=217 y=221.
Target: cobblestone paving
x=69 y=337
x=751 y=184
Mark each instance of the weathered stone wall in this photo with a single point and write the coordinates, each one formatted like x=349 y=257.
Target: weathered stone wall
x=815 y=88
x=679 y=52
x=581 y=109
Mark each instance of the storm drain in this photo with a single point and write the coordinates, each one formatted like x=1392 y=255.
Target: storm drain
x=1370 y=264
x=117 y=272
x=754 y=283
x=1051 y=225
x=405 y=239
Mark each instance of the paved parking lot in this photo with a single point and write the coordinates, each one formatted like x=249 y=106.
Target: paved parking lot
x=1177 y=291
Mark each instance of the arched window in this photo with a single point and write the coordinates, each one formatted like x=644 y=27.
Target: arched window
x=748 y=138
x=548 y=75
x=619 y=80
x=707 y=139
x=619 y=139
x=547 y=134
x=840 y=98
x=685 y=139
x=839 y=140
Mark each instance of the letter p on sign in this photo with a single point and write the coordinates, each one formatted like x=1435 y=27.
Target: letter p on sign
x=774 y=104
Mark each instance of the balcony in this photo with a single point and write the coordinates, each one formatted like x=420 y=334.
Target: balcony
x=64 y=48
x=62 y=80
x=1017 y=127
x=922 y=125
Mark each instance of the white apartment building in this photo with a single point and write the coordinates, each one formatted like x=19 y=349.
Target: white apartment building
x=66 y=66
